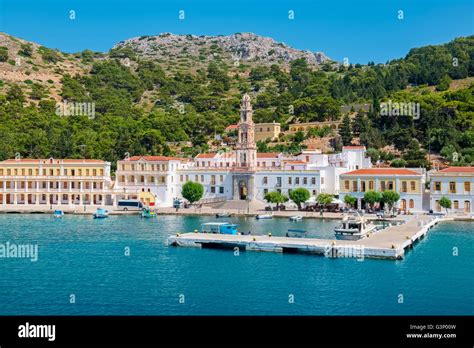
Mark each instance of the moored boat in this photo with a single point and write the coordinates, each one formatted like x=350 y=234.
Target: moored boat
x=148 y=213
x=296 y=218
x=58 y=213
x=219 y=227
x=354 y=228
x=223 y=215
x=264 y=216
x=101 y=213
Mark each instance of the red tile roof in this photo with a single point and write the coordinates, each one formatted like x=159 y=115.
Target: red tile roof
x=54 y=160
x=228 y=155
x=382 y=171
x=457 y=170
x=268 y=154
x=231 y=127
x=206 y=155
x=155 y=158
x=353 y=147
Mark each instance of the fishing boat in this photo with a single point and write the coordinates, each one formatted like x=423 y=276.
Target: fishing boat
x=264 y=216
x=148 y=213
x=219 y=228
x=223 y=215
x=58 y=213
x=101 y=213
x=354 y=228
x=296 y=218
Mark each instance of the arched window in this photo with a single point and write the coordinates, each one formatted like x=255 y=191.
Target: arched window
x=411 y=204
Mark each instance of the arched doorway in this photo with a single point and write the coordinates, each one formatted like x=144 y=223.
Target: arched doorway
x=467 y=206
x=242 y=189
x=403 y=205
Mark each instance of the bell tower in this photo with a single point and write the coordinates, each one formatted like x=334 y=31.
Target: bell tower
x=246 y=149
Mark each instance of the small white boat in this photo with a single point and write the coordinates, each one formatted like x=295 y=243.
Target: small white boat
x=101 y=213
x=354 y=228
x=58 y=213
x=264 y=216
x=296 y=218
x=223 y=215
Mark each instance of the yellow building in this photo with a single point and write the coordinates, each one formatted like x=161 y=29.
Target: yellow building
x=304 y=127
x=456 y=184
x=55 y=182
x=152 y=178
x=408 y=183
x=265 y=131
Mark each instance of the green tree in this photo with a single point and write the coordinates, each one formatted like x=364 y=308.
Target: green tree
x=371 y=197
x=374 y=155
x=398 y=163
x=415 y=156
x=192 y=191
x=444 y=83
x=346 y=130
x=37 y=91
x=324 y=199
x=449 y=152
x=360 y=123
x=445 y=202
x=298 y=137
x=350 y=200
x=15 y=93
x=390 y=197
x=299 y=195
x=275 y=197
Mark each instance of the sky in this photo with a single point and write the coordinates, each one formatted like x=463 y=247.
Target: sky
x=359 y=30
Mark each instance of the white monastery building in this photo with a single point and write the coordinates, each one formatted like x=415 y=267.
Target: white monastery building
x=238 y=174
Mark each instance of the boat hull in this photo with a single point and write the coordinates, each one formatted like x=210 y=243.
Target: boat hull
x=148 y=216
x=353 y=234
x=100 y=216
x=263 y=217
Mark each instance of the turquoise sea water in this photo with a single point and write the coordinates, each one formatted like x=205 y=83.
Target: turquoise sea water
x=86 y=257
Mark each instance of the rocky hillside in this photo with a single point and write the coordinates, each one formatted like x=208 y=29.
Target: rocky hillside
x=31 y=65
x=239 y=47
x=39 y=70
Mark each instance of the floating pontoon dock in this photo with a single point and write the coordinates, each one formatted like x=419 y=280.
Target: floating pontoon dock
x=389 y=243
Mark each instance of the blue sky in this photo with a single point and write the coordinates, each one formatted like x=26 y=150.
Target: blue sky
x=361 y=30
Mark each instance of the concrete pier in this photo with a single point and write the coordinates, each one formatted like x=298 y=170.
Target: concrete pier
x=390 y=243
